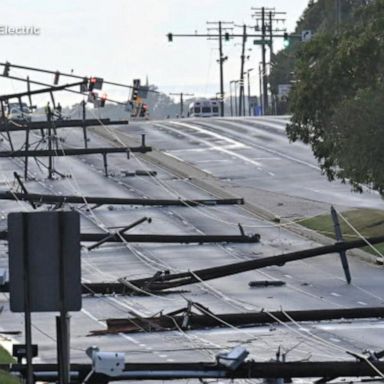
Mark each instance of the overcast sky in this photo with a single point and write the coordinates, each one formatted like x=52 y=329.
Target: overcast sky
x=124 y=39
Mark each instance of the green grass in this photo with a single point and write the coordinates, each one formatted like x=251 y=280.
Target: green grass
x=5 y=358
x=369 y=222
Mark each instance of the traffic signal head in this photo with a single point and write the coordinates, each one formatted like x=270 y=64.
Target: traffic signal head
x=144 y=109
x=135 y=88
x=103 y=99
x=226 y=36
x=170 y=37
x=6 y=69
x=56 y=78
x=135 y=93
x=91 y=84
x=286 y=40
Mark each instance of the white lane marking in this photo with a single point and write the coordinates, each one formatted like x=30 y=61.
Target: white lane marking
x=362 y=303
x=335 y=294
x=204 y=149
x=234 y=143
x=215 y=147
x=175 y=157
x=275 y=152
x=93 y=317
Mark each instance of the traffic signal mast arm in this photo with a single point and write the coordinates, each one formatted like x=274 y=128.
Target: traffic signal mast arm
x=39 y=91
x=67 y=90
x=56 y=74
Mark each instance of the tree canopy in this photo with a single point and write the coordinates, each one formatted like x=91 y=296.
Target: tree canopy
x=337 y=103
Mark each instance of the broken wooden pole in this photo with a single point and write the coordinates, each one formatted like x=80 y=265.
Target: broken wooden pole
x=207 y=319
x=73 y=151
x=173 y=280
x=75 y=199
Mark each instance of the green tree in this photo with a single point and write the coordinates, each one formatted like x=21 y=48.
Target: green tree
x=319 y=17
x=337 y=101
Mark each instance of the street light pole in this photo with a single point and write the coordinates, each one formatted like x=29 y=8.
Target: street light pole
x=230 y=97
x=261 y=89
x=249 y=90
x=236 y=81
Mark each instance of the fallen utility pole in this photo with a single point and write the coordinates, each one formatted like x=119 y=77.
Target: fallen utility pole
x=34 y=125
x=59 y=152
x=167 y=371
x=187 y=320
x=176 y=239
x=153 y=238
x=73 y=151
x=74 y=199
x=164 y=280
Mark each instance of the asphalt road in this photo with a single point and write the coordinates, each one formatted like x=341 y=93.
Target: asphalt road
x=244 y=154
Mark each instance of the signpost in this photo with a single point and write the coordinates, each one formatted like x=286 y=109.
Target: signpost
x=45 y=274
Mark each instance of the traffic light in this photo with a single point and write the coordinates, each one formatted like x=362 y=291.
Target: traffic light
x=7 y=67
x=286 y=40
x=143 y=111
x=91 y=84
x=92 y=97
x=103 y=99
x=135 y=93
x=135 y=89
x=170 y=37
x=98 y=83
x=56 y=78
x=84 y=85
x=226 y=36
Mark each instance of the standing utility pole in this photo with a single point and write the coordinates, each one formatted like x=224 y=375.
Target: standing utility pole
x=241 y=92
x=181 y=94
x=266 y=26
x=221 y=31
x=264 y=64
x=221 y=59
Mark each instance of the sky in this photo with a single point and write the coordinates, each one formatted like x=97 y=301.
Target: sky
x=120 y=40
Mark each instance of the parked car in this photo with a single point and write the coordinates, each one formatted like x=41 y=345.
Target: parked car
x=19 y=112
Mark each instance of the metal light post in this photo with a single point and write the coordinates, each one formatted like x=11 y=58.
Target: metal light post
x=261 y=90
x=236 y=99
x=230 y=97
x=249 y=89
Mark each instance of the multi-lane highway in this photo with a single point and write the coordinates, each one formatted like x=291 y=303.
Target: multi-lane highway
x=249 y=158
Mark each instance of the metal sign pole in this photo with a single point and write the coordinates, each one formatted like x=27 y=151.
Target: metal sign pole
x=27 y=301
x=62 y=321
